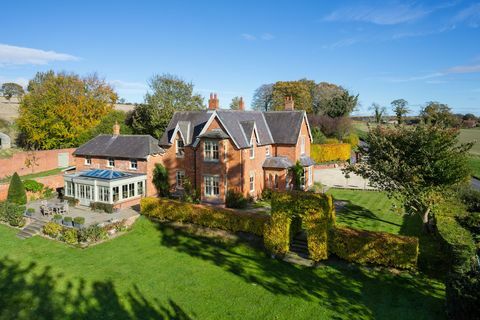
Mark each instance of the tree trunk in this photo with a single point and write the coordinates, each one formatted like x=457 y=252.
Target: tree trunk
x=426 y=221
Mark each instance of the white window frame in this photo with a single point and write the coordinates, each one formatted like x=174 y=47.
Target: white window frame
x=303 y=178
x=133 y=164
x=140 y=188
x=252 y=181
x=103 y=194
x=111 y=162
x=302 y=145
x=179 y=150
x=267 y=152
x=88 y=161
x=310 y=176
x=211 y=186
x=179 y=179
x=252 y=149
x=211 y=151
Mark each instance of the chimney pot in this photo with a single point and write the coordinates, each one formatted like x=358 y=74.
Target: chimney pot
x=116 y=129
x=241 y=104
x=213 y=102
x=289 y=103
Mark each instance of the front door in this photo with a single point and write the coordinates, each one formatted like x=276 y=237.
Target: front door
x=85 y=194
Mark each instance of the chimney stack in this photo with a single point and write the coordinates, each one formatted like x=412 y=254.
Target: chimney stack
x=213 y=102
x=289 y=104
x=116 y=129
x=241 y=104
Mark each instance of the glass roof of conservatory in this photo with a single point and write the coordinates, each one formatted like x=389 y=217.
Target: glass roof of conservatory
x=104 y=174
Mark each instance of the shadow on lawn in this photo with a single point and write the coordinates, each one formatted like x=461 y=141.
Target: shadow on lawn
x=352 y=214
x=346 y=289
x=28 y=292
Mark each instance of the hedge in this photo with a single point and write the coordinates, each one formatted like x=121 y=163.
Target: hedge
x=16 y=191
x=330 y=152
x=231 y=220
x=317 y=212
x=368 y=247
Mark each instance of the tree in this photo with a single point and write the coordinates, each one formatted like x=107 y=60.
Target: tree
x=10 y=89
x=378 y=112
x=263 y=98
x=438 y=114
x=16 y=191
x=59 y=108
x=333 y=100
x=106 y=126
x=160 y=180
x=235 y=104
x=400 y=109
x=298 y=90
x=167 y=94
x=418 y=165
x=469 y=116
x=341 y=105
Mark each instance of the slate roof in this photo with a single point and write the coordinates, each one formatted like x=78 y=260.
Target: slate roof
x=277 y=162
x=278 y=127
x=306 y=161
x=121 y=146
x=215 y=134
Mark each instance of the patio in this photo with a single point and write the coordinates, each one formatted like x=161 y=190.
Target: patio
x=91 y=217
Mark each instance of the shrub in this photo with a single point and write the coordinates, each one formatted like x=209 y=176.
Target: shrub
x=266 y=194
x=368 y=247
x=331 y=141
x=48 y=193
x=317 y=136
x=462 y=294
x=95 y=233
x=351 y=139
x=58 y=218
x=226 y=219
x=16 y=191
x=71 y=201
x=52 y=229
x=471 y=198
x=100 y=206
x=33 y=186
x=12 y=214
x=79 y=221
x=277 y=234
x=69 y=236
x=67 y=221
x=330 y=152
x=118 y=226
x=160 y=180
x=235 y=200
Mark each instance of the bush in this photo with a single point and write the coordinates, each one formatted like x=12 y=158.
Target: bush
x=33 y=186
x=52 y=229
x=351 y=139
x=330 y=152
x=67 y=221
x=331 y=141
x=471 y=198
x=69 y=236
x=160 y=180
x=71 y=201
x=79 y=221
x=266 y=194
x=368 y=247
x=235 y=200
x=100 y=206
x=167 y=209
x=277 y=234
x=16 y=191
x=462 y=295
x=12 y=214
x=317 y=136
x=48 y=193
x=95 y=233
x=57 y=218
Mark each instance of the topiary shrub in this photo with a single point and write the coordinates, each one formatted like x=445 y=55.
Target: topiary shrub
x=69 y=236
x=368 y=247
x=33 y=186
x=16 y=191
x=52 y=229
x=211 y=217
x=235 y=200
x=160 y=180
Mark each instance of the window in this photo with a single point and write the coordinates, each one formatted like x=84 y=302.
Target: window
x=133 y=164
x=210 y=150
x=69 y=189
x=302 y=179
x=179 y=148
x=267 y=151
x=131 y=190
x=252 y=181
x=211 y=186
x=88 y=161
x=302 y=145
x=180 y=177
x=116 y=193
x=252 y=150
x=104 y=194
x=310 y=176
x=111 y=162
x=140 y=188
x=125 y=191
x=275 y=181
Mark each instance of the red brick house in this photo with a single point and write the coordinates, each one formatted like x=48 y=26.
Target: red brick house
x=114 y=169
x=246 y=151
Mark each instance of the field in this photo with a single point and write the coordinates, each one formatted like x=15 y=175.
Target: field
x=155 y=271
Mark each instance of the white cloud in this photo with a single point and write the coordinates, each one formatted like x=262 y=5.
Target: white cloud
x=20 y=80
x=465 y=69
x=130 y=87
x=469 y=15
x=248 y=37
x=12 y=55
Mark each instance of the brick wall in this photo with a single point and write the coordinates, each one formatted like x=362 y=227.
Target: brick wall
x=44 y=160
x=53 y=182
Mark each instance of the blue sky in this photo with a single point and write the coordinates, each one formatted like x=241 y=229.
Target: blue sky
x=383 y=50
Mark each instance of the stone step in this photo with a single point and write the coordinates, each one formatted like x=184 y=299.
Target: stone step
x=295 y=258
x=32 y=229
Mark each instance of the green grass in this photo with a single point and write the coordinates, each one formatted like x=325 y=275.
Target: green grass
x=475 y=166
x=374 y=211
x=35 y=175
x=470 y=135
x=155 y=271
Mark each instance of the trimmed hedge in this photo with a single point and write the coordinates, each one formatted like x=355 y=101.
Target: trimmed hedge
x=172 y=210
x=330 y=152
x=16 y=191
x=100 y=206
x=368 y=247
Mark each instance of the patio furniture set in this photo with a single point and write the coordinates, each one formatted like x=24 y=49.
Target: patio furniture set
x=48 y=209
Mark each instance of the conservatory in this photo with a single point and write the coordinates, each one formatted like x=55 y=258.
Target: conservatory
x=104 y=186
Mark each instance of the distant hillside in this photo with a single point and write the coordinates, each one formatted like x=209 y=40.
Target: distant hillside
x=9 y=109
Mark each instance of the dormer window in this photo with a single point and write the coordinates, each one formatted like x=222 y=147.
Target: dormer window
x=179 y=148
x=133 y=164
x=252 y=149
x=111 y=162
x=210 y=150
x=88 y=161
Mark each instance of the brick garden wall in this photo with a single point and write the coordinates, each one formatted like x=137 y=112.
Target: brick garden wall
x=53 y=182
x=44 y=160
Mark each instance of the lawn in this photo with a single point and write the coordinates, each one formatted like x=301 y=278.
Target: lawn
x=155 y=271
x=36 y=175
x=475 y=166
